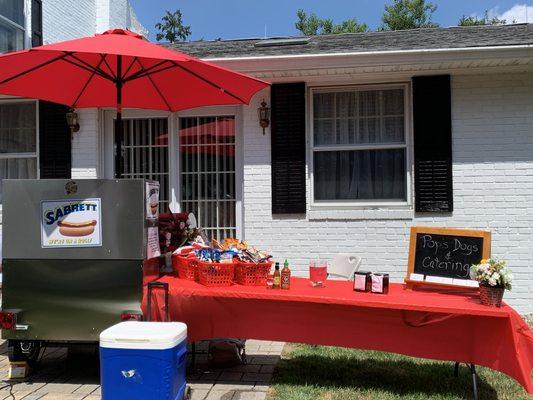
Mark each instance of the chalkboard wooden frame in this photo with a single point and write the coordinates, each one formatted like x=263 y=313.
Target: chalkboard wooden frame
x=415 y=230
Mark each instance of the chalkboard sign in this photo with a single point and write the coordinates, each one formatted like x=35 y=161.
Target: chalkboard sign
x=443 y=256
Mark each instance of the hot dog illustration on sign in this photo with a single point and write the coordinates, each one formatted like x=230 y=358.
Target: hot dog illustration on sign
x=76 y=228
x=71 y=223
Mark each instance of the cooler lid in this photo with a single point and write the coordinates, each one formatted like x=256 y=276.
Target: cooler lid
x=144 y=335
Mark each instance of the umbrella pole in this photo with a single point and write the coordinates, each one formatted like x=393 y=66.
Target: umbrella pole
x=118 y=123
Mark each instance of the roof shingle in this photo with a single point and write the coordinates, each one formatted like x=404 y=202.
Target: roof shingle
x=415 y=39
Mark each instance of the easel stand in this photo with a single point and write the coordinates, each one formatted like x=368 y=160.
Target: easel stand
x=474 y=377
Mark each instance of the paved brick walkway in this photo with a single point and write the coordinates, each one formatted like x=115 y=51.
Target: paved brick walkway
x=245 y=382
x=75 y=376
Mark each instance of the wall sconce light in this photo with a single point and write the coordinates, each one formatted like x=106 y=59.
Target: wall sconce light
x=73 y=121
x=264 y=116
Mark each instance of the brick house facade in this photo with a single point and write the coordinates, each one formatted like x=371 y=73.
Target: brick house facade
x=490 y=72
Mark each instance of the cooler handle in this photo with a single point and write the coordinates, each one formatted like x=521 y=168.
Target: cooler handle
x=151 y=286
x=182 y=353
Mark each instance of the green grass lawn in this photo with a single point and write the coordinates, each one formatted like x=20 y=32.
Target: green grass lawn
x=332 y=373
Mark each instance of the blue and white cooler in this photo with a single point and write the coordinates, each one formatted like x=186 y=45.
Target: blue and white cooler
x=143 y=361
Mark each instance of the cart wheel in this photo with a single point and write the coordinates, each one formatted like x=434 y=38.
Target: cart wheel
x=23 y=350
x=188 y=393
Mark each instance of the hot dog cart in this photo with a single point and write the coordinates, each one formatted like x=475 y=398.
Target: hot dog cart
x=73 y=261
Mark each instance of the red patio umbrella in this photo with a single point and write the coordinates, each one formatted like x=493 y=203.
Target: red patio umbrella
x=120 y=69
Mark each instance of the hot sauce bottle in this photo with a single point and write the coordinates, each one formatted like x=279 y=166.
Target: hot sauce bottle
x=277 y=277
x=286 y=276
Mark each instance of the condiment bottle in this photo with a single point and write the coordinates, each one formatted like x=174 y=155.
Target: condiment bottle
x=277 y=277
x=285 y=276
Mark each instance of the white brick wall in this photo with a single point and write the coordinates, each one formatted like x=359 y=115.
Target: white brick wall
x=117 y=14
x=86 y=145
x=493 y=189
x=70 y=19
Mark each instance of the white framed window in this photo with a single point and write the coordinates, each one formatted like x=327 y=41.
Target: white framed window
x=359 y=146
x=18 y=140
x=12 y=25
x=207 y=150
x=194 y=155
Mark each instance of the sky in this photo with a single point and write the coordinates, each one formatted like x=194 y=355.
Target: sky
x=232 y=19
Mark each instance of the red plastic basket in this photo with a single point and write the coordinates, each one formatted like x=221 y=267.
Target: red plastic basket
x=252 y=274
x=184 y=267
x=215 y=274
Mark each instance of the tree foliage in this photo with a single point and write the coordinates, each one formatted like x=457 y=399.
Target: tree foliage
x=171 y=28
x=486 y=20
x=408 y=14
x=311 y=25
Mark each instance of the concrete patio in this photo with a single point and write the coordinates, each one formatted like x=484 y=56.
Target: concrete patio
x=75 y=375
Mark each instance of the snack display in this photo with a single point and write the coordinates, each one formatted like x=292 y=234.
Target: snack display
x=222 y=263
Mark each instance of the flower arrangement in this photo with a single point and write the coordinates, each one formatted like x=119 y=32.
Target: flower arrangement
x=177 y=229
x=493 y=273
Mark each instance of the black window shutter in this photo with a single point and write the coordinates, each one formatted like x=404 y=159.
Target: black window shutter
x=433 y=143
x=54 y=141
x=36 y=23
x=288 y=148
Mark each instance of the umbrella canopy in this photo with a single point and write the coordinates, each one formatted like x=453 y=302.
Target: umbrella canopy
x=120 y=69
x=85 y=73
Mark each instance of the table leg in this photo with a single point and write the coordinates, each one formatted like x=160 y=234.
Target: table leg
x=456 y=370
x=474 y=380
x=193 y=355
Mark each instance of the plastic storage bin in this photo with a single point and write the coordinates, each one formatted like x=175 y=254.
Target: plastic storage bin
x=144 y=361
x=215 y=274
x=252 y=274
x=184 y=267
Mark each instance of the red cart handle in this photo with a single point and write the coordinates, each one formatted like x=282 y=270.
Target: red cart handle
x=151 y=286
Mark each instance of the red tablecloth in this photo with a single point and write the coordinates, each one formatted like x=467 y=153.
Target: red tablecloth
x=428 y=324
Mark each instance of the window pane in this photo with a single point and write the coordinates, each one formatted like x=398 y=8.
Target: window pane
x=393 y=102
x=323 y=104
x=226 y=130
x=346 y=131
x=369 y=130
x=324 y=132
x=11 y=38
x=13 y=10
x=207 y=159
x=17 y=128
x=369 y=103
x=346 y=104
x=360 y=175
x=145 y=146
x=17 y=168
x=358 y=117
x=393 y=130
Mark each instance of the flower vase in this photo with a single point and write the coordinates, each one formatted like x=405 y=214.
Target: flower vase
x=491 y=296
